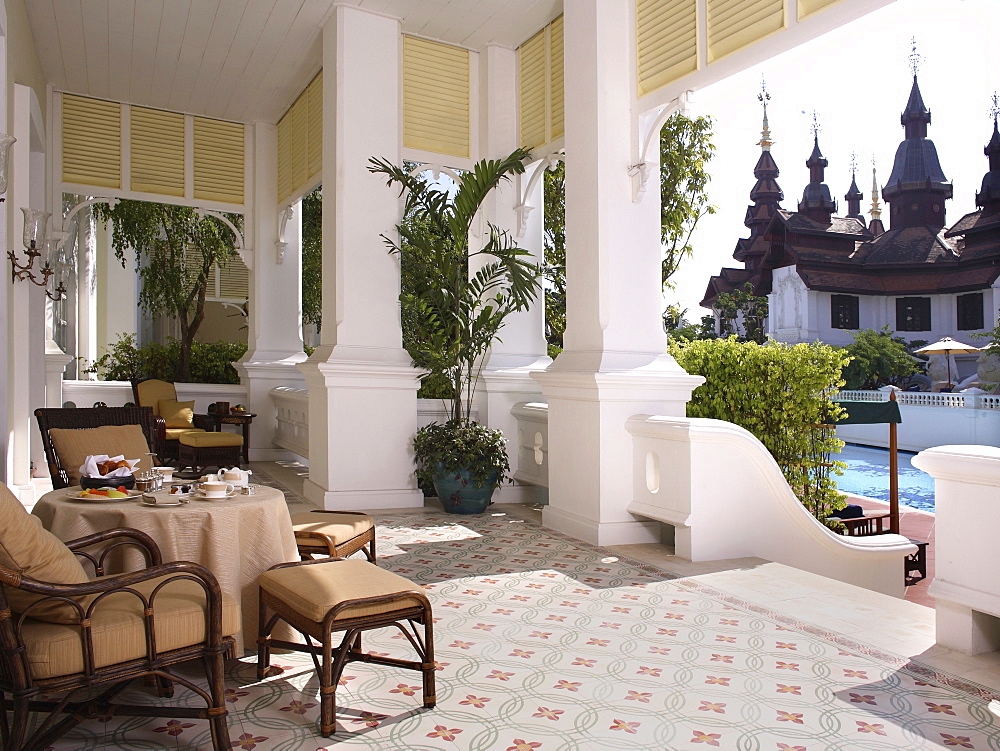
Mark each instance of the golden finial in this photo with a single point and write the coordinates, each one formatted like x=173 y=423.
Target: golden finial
x=876 y=209
x=765 y=134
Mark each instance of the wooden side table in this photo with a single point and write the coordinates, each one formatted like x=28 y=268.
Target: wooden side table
x=236 y=418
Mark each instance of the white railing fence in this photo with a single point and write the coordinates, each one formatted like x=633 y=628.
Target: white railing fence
x=291 y=410
x=117 y=393
x=532 y=443
x=927 y=399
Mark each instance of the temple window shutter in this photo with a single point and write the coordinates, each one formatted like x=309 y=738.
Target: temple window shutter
x=436 y=97
x=218 y=160
x=666 y=41
x=91 y=141
x=735 y=24
x=156 y=163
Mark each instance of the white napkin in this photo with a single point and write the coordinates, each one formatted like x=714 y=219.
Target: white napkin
x=89 y=467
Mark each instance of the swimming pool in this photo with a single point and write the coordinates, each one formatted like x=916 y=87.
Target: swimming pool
x=867 y=474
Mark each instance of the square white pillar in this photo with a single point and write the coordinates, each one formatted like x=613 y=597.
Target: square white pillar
x=362 y=386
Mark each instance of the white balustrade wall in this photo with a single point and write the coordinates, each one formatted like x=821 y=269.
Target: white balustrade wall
x=117 y=393
x=291 y=409
x=532 y=443
x=930 y=419
x=967 y=557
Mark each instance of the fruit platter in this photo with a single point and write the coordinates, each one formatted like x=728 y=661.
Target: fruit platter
x=105 y=495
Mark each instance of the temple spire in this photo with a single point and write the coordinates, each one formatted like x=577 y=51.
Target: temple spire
x=854 y=195
x=817 y=203
x=988 y=197
x=875 y=226
x=765 y=133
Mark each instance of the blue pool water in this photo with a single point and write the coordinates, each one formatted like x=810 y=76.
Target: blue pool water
x=867 y=474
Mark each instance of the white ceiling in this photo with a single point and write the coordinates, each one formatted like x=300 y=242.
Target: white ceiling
x=240 y=60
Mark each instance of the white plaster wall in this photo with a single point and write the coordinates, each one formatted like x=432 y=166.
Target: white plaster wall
x=924 y=427
x=726 y=498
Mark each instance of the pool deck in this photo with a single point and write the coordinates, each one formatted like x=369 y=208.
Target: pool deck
x=917 y=525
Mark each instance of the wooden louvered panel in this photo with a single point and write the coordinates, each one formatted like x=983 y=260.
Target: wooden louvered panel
x=735 y=24
x=284 y=159
x=234 y=280
x=436 y=109
x=533 y=91
x=314 y=128
x=91 y=142
x=299 y=120
x=156 y=143
x=556 y=69
x=808 y=7
x=219 y=153
x=666 y=41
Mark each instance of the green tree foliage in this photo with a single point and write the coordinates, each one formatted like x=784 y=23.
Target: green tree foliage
x=458 y=314
x=742 y=313
x=175 y=253
x=685 y=150
x=212 y=362
x=877 y=359
x=677 y=325
x=312 y=258
x=780 y=393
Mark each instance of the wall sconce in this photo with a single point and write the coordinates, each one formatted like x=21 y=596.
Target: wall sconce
x=35 y=223
x=5 y=143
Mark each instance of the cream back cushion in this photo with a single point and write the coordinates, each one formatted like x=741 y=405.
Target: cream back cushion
x=74 y=445
x=152 y=391
x=29 y=549
x=176 y=414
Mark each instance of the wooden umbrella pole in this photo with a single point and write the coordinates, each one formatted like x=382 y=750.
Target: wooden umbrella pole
x=893 y=475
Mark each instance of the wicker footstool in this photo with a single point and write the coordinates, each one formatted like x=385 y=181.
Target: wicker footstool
x=320 y=598
x=337 y=534
x=197 y=450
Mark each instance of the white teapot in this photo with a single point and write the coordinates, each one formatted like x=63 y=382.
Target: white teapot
x=236 y=476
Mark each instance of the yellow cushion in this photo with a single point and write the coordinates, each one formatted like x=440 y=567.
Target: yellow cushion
x=314 y=589
x=211 y=439
x=339 y=527
x=118 y=630
x=28 y=549
x=73 y=445
x=173 y=434
x=176 y=414
x=152 y=391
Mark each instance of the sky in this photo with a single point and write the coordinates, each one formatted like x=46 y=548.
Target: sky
x=857 y=80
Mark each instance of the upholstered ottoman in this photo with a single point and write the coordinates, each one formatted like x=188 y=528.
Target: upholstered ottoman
x=337 y=534
x=199 y=450
x=320 y=598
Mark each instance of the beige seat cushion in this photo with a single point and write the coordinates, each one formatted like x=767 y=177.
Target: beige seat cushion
x=174 y=434
x=118 y=630
x=74 y=445
x=313 y=589
x=176 y=414
x=152 y=391
x=221 y=438
x=339 y=527
x=28 y=549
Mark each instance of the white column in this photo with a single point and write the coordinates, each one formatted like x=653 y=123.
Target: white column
x=507 y=375
x=362 y=386
x=274 y=343
x=615 y=362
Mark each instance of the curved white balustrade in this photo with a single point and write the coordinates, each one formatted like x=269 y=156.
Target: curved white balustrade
x=721 y=490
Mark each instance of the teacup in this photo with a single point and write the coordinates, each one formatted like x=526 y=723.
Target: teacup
x=167 y=472
x=217 y=489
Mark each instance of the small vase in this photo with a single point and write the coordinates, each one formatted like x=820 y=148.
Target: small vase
x=460 y=496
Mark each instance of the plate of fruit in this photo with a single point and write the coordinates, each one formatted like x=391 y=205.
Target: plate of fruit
x=105 y=495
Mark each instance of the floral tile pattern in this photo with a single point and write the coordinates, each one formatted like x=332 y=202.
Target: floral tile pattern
x=545 y=643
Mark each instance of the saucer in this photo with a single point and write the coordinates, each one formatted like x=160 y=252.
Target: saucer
x=200 y=495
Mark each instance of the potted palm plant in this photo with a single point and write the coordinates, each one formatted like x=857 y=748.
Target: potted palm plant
x=454 y=302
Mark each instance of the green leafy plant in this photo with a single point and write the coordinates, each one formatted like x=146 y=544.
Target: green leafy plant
x=453 y=447
x=742 y=313
x=878 y=359
x=782 y=394
x=212 y=362
x=457 y=315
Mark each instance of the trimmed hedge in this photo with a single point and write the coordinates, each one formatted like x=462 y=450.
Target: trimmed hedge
x=780 y=393
x=211 y=362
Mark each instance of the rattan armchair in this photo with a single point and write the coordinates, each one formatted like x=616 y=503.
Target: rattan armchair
x=96 y=417
x=167 y=633
x=148 y=392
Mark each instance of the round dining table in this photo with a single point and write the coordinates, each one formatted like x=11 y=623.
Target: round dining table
x=237 y=539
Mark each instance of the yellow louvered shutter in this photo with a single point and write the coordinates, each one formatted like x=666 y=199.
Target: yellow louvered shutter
x=234 y=280
x=285 y=186
x=556 y=69
x=666 y=41
x=314 y=127
x=734 y=24
x=533 y=95
x=808 y=7
x=218 y=160
x=91 y=142
x=436 y=111
x=299 y=120
x=156 y=151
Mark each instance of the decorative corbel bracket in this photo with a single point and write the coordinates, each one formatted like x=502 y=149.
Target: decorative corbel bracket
x=62 y=235
x=246 y=255
x=639 y=172
x=524 y=208
x=640 y=177
x=279 y=246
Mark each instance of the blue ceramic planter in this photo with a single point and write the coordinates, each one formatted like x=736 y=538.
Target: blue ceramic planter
x=459 y=496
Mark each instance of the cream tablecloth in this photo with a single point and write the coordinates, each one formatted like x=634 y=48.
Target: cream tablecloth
x=236 y=539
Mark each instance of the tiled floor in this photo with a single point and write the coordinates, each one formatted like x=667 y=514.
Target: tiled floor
x=547 y=643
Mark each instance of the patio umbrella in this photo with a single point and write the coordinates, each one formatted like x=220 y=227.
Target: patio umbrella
x=947 y=346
